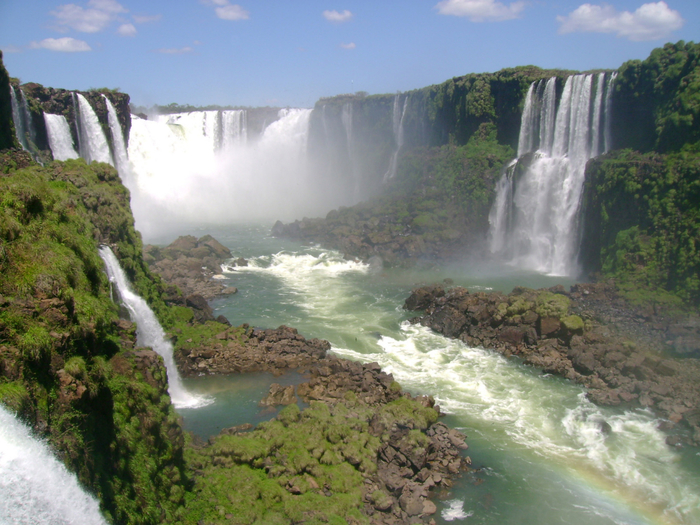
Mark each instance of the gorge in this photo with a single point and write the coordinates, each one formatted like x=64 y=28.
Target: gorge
x=416 y=187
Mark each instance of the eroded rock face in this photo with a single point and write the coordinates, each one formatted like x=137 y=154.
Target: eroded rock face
x=192 y=265
x=586 y=335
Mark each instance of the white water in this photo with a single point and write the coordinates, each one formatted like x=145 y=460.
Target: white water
x=119 y=147
x=397 y=126
x=149 y=332
x=93 y=143
x=548 y=460
x=534 y=218
x=60 y=138
x=35 y=488
x=18 y=120
x=180 y=175
x=234 y=131
x=347 y=121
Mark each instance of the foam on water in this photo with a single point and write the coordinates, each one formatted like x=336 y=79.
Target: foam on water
x=455 y=511
x=35 y=488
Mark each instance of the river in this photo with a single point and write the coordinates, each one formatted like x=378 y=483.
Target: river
x=536 y=440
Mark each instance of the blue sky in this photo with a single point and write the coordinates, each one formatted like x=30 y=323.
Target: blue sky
x=290 y=53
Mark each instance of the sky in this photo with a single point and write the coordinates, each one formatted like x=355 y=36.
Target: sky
x=291 y=53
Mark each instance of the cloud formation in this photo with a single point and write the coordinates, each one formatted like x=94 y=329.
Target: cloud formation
x=337 y=16
x=350 y=45
x=175 y=51
x=481 y=10
x=225 y=10
x=64 y=45
x=127 y=30
x=652 y=21
x=96 y=17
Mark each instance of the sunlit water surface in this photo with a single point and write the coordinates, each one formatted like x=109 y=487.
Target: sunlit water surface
x=537 y=440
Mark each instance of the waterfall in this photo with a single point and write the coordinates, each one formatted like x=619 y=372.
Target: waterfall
x=183 y=174
x=148 y=331
x=397 y=121
x=36 y=488
x=234 y=128
x=24 y=126
x=93 y=144
x=346 y=119
x=534 y=217
x=120 y=155
x=60 y=138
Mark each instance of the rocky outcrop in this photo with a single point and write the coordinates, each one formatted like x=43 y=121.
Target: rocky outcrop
x=192 y=265
x=411 y=455
x=587 y=335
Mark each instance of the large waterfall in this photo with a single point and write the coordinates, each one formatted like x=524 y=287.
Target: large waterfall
x=60 y=138
x=22 y=119
x=148 y=330
x=201 y=167
x=534 y=218
x=35 y=488
x=93 y=142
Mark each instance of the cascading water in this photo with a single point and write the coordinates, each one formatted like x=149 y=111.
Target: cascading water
x=184 y=174
x=118 y=146
x=22 y=119
x=397 y=121
x=35 y=488
x=534 y=217
x=93 y=145
x=234 y=129
x=346 y=119
x=60 y=138
x=148 y=331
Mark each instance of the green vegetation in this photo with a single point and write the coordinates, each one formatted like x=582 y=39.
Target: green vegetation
x=7 y=127
x=657 y=101
x=104 y=410
x=302 y=467
x=644 y=212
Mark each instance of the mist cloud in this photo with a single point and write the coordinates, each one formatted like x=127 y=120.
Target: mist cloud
x=63 y=45
x=337 y=16
x=652 y=21
x=93 y=19
x=481 y=10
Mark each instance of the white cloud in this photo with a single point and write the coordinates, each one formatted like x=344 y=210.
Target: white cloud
x=175 y=51
x=351 y=45
x=652 y=21
x=337 y=16
x=481 y=10
x=228 y=11
x=65 y=45
x=143 y=19
x=11 y=49
x=93 y=19
x=127 y=30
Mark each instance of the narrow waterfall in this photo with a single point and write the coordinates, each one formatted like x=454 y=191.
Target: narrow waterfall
x=22 y=119
x=93 y=145
x=234 y=129
x=36 y=488
x=184 y=174
x=148 y=331
x=535 y=214
x=60 y=138
x=118 y=146
x=346 y=119
x=399 y=111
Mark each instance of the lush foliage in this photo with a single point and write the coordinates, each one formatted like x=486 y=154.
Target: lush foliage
x=65 y=366
x=7 y=128
x=657 y=101
x=643 y=223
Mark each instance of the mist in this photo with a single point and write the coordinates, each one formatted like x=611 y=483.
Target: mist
x=205 y=168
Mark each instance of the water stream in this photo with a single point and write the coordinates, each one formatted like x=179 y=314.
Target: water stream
x=538 y=439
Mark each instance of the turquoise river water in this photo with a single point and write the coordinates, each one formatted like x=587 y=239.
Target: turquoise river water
x=535 y=437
